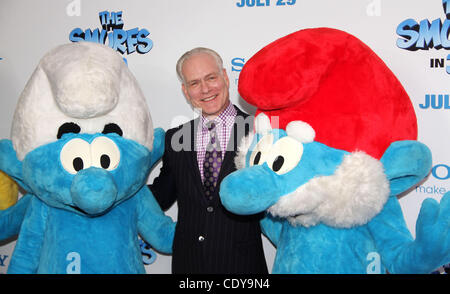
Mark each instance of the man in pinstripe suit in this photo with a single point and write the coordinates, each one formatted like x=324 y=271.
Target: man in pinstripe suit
x=198 y=155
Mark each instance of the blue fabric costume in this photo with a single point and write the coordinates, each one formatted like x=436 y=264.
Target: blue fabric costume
x=335 y=144
x=311 y=240
x=87 y=198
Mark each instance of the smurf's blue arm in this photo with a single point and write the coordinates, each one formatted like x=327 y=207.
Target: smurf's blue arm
x=271 y=228
x=158 y=145
x=10 y=164
x=400 y=253
x=406 y=163
x=11 y=219
x=26 y=256
x=154 y=226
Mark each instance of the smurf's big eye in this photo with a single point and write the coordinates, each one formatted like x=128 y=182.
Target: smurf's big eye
x=257 y=158
x=78 y=154
x=75 y=155
x=105 y=153
x=261 y=150
x=278 y=163
x=78 y=163
x=285 y=155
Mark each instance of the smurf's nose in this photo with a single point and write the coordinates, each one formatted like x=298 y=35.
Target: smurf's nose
x=93 y=190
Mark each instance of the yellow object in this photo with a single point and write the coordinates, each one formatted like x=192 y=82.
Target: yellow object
x=9 y=191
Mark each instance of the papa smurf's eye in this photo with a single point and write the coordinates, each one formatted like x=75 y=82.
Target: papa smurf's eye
x=261 y=150
x=105 y=153
x=278 y=163
x=75 y=155
x=285 y=155
x=257 y=158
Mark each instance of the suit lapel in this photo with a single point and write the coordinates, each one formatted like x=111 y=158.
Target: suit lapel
x=228 y=164
x=192 y=154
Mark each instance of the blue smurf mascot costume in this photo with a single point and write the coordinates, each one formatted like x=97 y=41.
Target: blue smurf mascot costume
x=82 y=146
x=335 y=144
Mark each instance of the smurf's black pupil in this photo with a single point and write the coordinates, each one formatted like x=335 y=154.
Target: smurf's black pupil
x=257 y=158
x=278 y=163
x=105 y=161
x=77 y=163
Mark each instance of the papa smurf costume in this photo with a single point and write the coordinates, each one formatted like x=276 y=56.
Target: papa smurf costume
x=340 y=146
x=82 y=147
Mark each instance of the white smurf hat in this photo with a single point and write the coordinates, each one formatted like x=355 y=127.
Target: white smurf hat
x=86 y=84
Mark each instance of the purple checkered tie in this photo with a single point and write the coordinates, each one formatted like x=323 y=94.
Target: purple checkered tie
x=213 y=161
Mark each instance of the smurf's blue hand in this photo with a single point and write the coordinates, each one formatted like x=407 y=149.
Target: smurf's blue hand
x=158 y=145
x=401 y=253
x=433 y=232
x=154 y=226
x=11 y=219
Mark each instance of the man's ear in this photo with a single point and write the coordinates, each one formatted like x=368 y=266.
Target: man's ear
x=158 y=145
x=406 y=163
x=10 y=164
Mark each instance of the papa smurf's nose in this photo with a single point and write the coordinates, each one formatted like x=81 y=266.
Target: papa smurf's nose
x=249 y=190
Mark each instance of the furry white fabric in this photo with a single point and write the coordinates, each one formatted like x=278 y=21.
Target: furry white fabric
x=353 y=195
x=85 y=83
x=300 y=131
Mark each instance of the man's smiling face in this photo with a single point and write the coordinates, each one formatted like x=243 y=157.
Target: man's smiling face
x=205 y=84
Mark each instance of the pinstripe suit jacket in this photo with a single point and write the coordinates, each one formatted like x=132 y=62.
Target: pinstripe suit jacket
x=208 y=238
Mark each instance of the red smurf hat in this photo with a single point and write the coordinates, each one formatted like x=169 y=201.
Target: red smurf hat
x=335 y=83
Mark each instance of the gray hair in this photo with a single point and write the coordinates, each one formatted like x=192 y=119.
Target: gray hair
x=192 y=52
